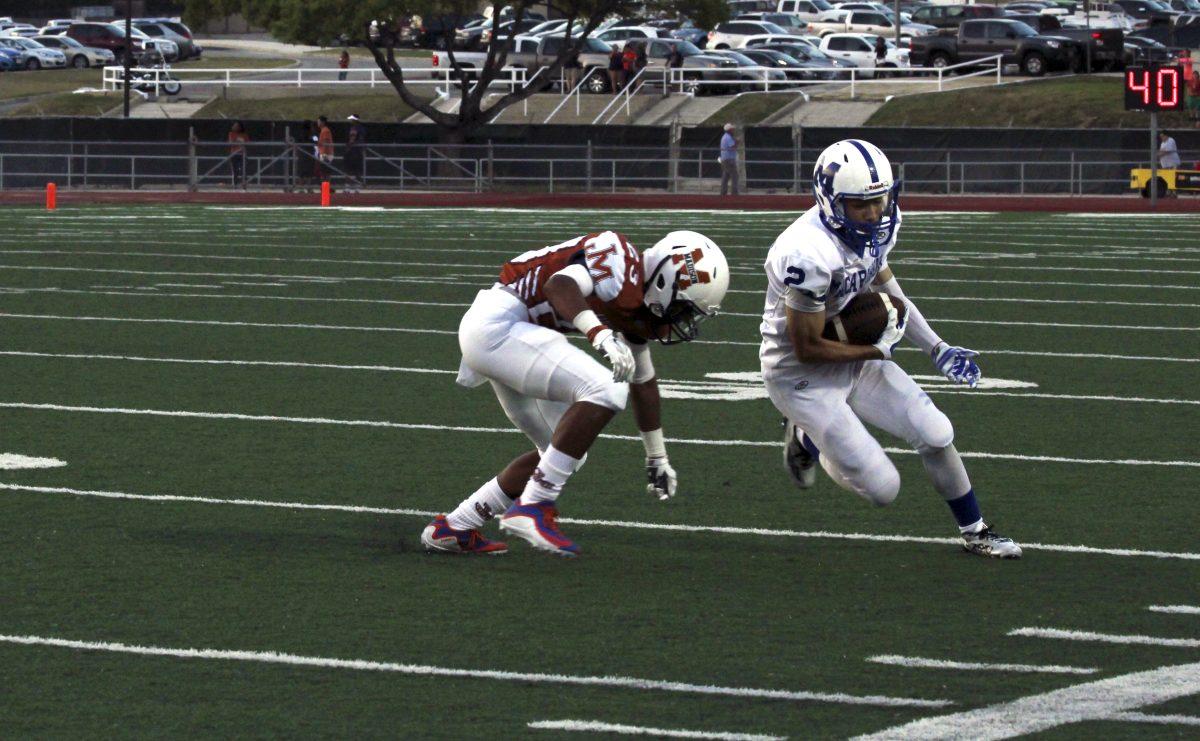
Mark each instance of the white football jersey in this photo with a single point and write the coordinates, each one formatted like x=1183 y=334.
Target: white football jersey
x=810 y=269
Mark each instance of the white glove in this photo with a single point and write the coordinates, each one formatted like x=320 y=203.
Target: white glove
x=618 y=353
x=661 y=478
x=956 y=363
x=892 y=333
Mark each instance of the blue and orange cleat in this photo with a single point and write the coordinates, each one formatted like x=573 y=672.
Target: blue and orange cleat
x=439 y=537
x=537 y=524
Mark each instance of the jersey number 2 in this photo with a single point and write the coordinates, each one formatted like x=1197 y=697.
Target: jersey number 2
x=795 y=277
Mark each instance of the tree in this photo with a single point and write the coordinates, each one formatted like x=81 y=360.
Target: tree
x=371 y=22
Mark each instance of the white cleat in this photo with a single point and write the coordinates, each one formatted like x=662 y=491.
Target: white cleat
x=987 y=542
x=799 y=463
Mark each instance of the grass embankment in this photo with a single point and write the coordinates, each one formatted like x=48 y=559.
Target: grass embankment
x=67 y=104
x=384 y=107
x=750 y=109
x=1069 y=102
x=46 y=81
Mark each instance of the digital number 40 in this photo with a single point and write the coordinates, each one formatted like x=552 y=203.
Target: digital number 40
x=1161 y=84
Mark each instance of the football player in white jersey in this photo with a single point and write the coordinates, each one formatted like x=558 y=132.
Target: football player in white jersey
x=826 y=389
x=558 y=394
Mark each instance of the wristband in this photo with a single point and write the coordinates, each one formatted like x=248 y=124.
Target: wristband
x=655 y=446
x=588 y=323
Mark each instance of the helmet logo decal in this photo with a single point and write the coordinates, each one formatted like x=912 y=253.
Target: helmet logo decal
x=825 y=178
x=688 y=275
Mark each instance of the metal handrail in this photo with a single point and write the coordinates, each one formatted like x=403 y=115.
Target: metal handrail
x=575 y=93
x=624 y=93
x=113 y=77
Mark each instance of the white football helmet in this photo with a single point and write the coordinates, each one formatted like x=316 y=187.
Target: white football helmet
x=686 y=279
x=853 y=168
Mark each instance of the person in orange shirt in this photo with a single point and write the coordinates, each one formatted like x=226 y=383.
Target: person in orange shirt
x=324 y=148
x=237 y=153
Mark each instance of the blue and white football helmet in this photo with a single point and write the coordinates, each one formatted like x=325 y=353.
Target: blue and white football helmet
x=853 y=168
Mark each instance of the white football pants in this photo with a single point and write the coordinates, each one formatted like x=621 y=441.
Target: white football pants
x=535 y=371
x=830 y=402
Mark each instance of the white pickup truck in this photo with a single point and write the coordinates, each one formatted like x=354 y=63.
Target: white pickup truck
x=865 y=21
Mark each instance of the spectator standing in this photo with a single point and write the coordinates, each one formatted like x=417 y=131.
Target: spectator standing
x=323 y=150
x=237 y=153
x=355 y=146
x=614 y=69
x=728 y=160
x=628 y=63
x=344 y=65
x=1193 y=98
x=572 y=67
x=880 y=49
x=639 y=59
x=302 y=170
x=1168 y=152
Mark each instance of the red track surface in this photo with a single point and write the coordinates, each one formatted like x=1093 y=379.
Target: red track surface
x=1105 y=204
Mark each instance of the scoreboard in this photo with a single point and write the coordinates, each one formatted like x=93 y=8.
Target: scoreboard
x=1154 y=88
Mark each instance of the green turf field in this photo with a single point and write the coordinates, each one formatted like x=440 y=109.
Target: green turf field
x=257 y=412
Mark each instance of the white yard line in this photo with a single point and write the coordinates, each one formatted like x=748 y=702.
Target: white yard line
x=1104 y=699
x=974 y=393
x=355 y=278
x=1175 y=609
x=621 y=524
x=1170 y=720
x=132 y=291
x=596 y=726
x=1082 y=635
x=504 y=430
x=740 y=343
x=917 y=662
x=634 y=683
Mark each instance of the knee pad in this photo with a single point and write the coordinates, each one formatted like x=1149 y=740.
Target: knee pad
x=607 y=393
x=933 y=428
x=884 y=487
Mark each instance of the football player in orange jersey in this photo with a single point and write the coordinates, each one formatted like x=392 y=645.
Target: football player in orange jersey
x=513 y=337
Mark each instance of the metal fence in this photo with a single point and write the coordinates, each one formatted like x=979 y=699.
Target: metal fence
x=584 y=167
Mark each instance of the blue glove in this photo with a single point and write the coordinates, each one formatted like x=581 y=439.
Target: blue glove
x=956 y=363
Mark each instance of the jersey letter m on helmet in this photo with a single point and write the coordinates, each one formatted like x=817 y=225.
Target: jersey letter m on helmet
x=689 y=276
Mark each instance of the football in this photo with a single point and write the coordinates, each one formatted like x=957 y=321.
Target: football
x=862 y=320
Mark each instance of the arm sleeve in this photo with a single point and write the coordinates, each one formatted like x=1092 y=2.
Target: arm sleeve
x=643 y=366
x=582 y=278
x=917 y=330
x=806 y=284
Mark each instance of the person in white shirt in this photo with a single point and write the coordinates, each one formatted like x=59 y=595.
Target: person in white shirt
x=826 y=389
x=1168 y=152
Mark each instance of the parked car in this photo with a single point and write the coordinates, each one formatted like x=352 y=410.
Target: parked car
x=789 y=65
x=733 y=34
x=859 y=49
x=536 y=52
x=176 y=33
x=165 y=48
x=36 y=55
x=24 y=30
x=619 y=34
x=1016 y=42
x=805 y=10
x=949 y=16
x=8 y=61
x=52 y=31
x=827 y=67
x=790 y=22
x=76 y=53
x=105 y=36
x=699 y=67
x=1141 y=50
x=480 y=37
x=1150 y=11
x=754 y=76
x=866 y=21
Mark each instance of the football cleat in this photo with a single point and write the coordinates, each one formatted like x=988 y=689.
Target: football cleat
x=439 y=537
x=988 y=542
x=537 y=524
x=801 y=465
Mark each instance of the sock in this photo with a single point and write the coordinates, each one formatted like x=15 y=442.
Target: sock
x=487 y=502
x=547 y=481
x=966 y=512
x=809 y=445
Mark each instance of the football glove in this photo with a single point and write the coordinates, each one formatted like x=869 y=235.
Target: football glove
x=661 y=478
x=892 y=333
x=618 y=353
x=956 y=363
